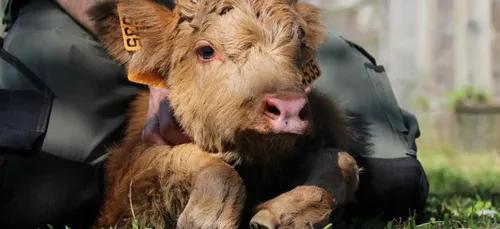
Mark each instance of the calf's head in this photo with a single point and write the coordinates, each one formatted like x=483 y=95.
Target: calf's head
x=233 y=67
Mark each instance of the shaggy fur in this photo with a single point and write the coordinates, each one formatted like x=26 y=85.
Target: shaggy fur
x=237 y=172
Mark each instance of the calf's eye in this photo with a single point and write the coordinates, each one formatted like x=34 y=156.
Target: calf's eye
x=206 y=53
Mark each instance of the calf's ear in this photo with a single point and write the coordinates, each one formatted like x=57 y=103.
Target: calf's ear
x=137 y=34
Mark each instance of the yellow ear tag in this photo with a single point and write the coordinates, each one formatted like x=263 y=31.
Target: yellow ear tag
x=311 y=72
x=130 y=35
x=132 y=43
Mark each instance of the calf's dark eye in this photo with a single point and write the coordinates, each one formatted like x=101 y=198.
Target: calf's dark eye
x=206 y=52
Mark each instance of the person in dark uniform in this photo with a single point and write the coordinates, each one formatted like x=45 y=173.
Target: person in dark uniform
x=62 y=184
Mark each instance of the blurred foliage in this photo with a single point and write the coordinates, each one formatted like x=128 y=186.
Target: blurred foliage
x=422 y=103
x=467 y=96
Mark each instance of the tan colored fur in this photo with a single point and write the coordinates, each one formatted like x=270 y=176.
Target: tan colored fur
x=235 y=165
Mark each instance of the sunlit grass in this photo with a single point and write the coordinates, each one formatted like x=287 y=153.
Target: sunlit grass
x=461 y=184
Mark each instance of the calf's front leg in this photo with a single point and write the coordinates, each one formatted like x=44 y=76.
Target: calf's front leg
x=217 y=193
x=332 y=180
x=179 y=187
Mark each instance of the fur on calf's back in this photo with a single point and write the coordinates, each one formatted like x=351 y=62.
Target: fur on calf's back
x=222 y=60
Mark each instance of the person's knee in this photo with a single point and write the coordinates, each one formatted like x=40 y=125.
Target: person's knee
x=393 y=182
x=391 y=188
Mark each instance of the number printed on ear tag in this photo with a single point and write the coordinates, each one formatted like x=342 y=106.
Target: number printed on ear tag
x=131 y=39
x=311 y=72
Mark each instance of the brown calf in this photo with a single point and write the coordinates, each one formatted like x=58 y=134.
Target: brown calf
x=265 y=153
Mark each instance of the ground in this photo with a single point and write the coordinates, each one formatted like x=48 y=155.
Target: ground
x=461 y=184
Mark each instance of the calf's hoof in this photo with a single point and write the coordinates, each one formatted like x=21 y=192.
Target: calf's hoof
x=264 y=219
x=299 y=208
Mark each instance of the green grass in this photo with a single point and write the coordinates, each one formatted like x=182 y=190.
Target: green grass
x=461 y=184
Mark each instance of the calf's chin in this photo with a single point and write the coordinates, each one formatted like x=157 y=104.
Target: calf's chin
x=281 y=119
x=258 y=126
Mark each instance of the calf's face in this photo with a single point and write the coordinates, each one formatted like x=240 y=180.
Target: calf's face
x=234 y=68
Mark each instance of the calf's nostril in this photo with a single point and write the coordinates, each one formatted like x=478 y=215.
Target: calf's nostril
x=304 y=112
x=272 y=109
x=287 y=115
x=298 y=108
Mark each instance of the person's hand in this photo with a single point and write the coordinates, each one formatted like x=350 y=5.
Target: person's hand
x=161 y=127
x=78 y=11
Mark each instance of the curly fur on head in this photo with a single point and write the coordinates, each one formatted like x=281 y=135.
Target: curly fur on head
x=258 y=48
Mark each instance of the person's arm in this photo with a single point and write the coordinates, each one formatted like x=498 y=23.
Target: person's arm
x=161 y=127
